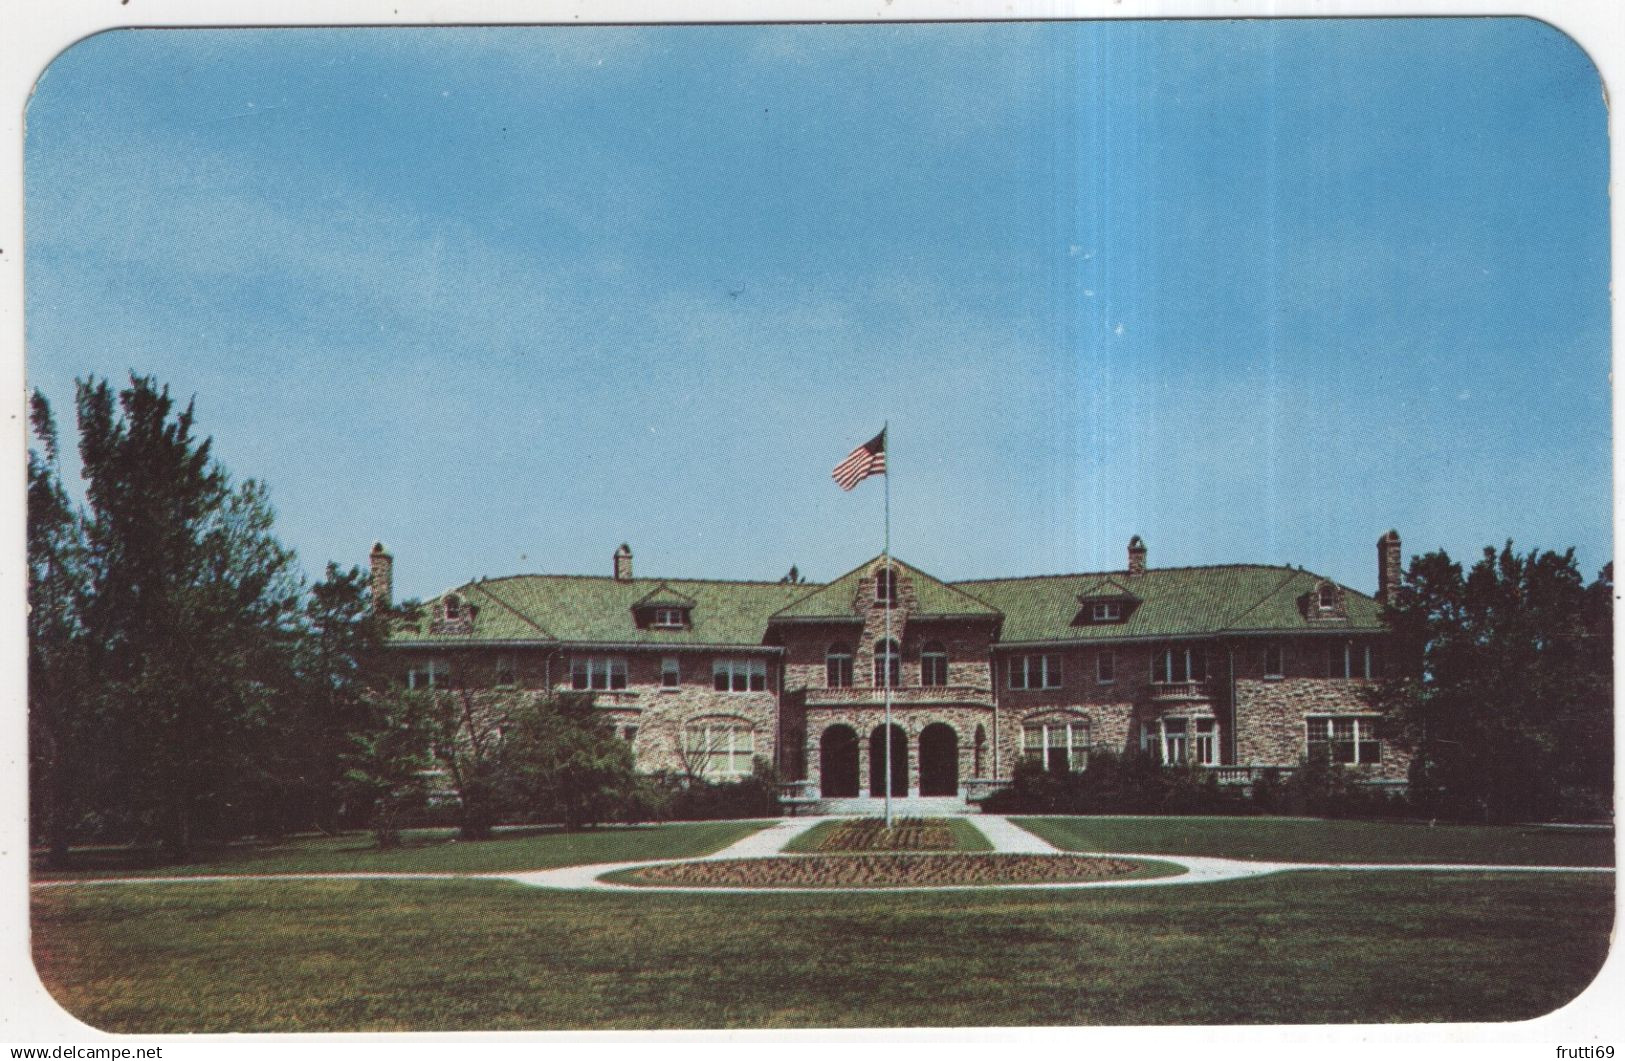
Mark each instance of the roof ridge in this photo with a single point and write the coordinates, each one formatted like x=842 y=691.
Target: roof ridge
x=1114 y=572
x=653 y=581
x=1235 y=620
x=522 y=616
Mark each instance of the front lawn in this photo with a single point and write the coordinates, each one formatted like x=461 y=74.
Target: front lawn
x=425 y=851
x=444 y=955
x=1318 y=840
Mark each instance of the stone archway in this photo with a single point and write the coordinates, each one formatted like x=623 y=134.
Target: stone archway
x=838 y=762
x=899 y=761
x=939 y=760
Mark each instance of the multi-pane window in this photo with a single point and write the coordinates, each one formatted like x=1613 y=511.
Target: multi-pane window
x=429 y=674
x=671 y=673
x=452 y=607
x=1175 y=741
x=719 y=749
x=1107 y=611
x=739 y=675
x=598 y=672
x=1351 y=659
x=670 y=618
x=1106 y=666
x=1205 y=743
x=1178 y=663
x=1274 y=661
x=933 y=664
x=1035 y=672
x=1327 y=597
x=838 y=666
x=886 y=586
x=1346 y=738
x=1060 y=746
x=504 y=670
x=888 y=664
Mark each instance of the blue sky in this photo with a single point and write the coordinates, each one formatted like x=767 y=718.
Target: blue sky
x=505 y=298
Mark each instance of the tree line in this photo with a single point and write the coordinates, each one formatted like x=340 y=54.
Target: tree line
x=186 y=685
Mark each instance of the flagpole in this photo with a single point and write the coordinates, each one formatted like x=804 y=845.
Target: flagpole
x=891 y=593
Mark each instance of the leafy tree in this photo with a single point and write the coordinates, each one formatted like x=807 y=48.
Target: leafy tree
x=189 y=617
x=58 y=725
x=469 y=742
x=390 y=760
x=561 y=761
x=1505 y=689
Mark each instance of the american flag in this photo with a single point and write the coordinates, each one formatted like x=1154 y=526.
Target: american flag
x=868 y=459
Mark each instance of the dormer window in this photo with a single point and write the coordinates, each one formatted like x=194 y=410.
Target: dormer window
x=670 y=618
x=1107 y=611
x=1326 y=599
x=453 y=607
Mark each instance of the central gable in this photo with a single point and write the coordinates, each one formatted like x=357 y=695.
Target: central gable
x=843 y=599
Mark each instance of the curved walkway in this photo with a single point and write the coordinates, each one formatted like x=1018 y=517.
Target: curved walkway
x=1006 y=837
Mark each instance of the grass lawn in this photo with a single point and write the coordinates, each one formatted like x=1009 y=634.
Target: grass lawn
x=965 y=836
x=426 y=851
x=1317 y=840
x=441 y=955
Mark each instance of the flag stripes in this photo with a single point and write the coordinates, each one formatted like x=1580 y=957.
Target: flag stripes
x=868 y=459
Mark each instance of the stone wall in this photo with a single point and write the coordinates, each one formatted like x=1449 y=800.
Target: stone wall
x=1272 y=714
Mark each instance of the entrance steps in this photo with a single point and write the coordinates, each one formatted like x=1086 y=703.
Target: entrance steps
x=875 y=806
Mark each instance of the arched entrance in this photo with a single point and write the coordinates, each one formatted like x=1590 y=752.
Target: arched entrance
x=838 y=762
x=899 y=761
x=939 y=760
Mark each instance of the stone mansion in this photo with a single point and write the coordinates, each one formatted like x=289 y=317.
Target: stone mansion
x=1233 y=667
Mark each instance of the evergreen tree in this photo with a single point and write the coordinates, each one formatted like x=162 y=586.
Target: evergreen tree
x=190 y=617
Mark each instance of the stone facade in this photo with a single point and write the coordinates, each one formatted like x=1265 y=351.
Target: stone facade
x=1254 y=696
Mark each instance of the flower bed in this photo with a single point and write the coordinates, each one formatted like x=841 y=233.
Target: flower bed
x=882 y=871
x=906 y=834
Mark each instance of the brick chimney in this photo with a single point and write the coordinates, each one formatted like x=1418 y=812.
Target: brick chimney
x=623 y=563
x=1136 y=557
x=1388 y=566
x=383 y=577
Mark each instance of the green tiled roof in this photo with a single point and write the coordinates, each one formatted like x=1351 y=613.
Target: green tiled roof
x=663 y=596
x=1106 y=588
x=1180 y=601
x=933 y=597
x=1168 y=602
x=579 y=608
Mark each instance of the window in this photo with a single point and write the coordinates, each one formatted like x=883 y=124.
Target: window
x=1060 y=746
x=838 y=666
x=1274 y=661
x=1175 y=741
x=1174 y=744
x=1351 y=739
x=739 y=675
x=505 y=670
x=886 y=586
x=719 y=749
x=598 y=672
x=629 y=734
x=429 y=674
x=1206 y=744
x=933 y=664
x=671 y=675
x=1178 y=663
x=452 y=607
x=888 y=664
x=1106 y=667
x=1107 y=611
x=1035 y=672
x=670 y=618
x=1349 y=659
x=1326 y=598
